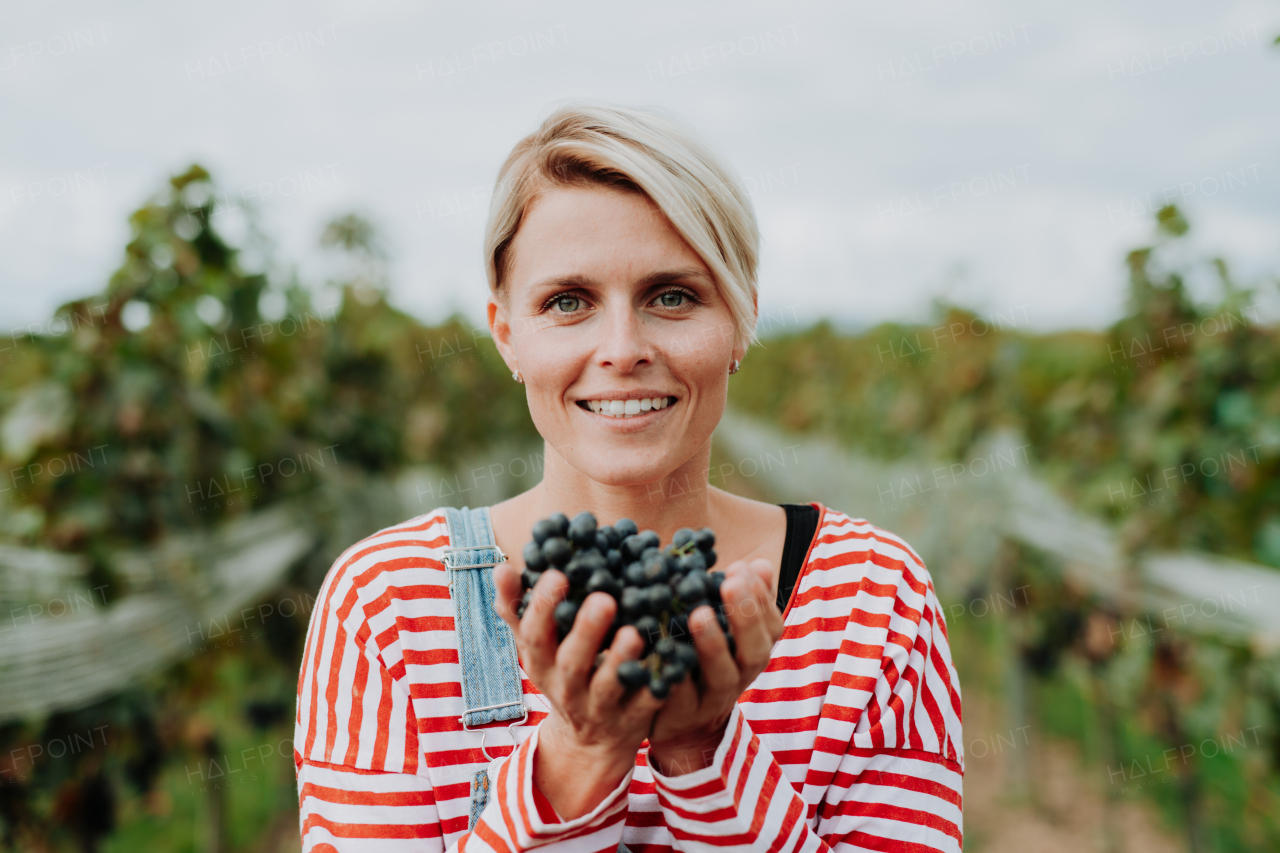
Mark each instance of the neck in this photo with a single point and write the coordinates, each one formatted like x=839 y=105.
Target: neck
x=680 y=498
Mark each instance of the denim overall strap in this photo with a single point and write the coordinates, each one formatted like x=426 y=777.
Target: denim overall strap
x=491 y=687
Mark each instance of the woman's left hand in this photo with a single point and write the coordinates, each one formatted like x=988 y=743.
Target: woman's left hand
x=690 y=726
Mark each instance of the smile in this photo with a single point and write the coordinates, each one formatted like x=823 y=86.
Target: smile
x=623 y=409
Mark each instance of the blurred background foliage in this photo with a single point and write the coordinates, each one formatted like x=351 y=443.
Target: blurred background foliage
x=195 y=368
x=1171 y=383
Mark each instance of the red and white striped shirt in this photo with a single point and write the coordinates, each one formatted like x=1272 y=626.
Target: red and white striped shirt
x=849 y=740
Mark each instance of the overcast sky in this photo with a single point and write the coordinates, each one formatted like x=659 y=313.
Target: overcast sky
x=1003 y=155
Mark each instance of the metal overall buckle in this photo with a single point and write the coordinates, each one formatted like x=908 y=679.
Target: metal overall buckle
x=449 y=564
x=484 y=732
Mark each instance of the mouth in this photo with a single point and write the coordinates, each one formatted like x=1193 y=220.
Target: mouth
x=628 y=409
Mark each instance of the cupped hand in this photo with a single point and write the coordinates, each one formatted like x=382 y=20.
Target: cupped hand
x=595 y=728
x=691 y=723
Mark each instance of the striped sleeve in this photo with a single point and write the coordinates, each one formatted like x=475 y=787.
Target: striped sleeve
x=886 y=768
x=364 y=774
x=345 y=810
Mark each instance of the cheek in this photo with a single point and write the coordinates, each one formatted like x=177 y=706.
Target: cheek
x=700 y=347
x=553 y=363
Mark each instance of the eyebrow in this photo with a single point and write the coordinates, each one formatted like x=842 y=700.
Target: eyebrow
x=648 y=281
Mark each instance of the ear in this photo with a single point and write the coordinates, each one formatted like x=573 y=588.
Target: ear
x=500 y=331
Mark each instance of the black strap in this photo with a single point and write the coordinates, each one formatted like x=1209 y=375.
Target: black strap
x=802 y=524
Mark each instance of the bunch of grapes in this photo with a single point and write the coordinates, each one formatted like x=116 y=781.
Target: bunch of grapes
x=656 y=588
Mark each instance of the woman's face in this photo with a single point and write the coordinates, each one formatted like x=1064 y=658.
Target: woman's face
x=606 y=302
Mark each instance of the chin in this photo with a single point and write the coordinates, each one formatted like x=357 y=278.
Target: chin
x=615 y=472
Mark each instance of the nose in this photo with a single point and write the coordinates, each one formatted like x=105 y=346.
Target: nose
x=623 y=344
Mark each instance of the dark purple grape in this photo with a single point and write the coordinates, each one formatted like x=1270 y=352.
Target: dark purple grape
x=666 y=648
x=678 y=626
x=635 y=575
x=655 y=570
x=691 y=606
x=582 y=531
x=694 y=562
x=613 y=559
x=544 y=530
x=681 y=536
x=602 y=581
x=704 y=539
x=710 y=556
x=557 y=550
x=687 y=655
x=601 y=542
x=579 y=570
x=634 y=603
x=659 y=596
x=529 y=578
x=658 y=686
x=714 y=579
x=612 y=534
x=650 y=538
x=561 y=522
x=674 y=672
x=632 y=674
x=692 y=587
x=523 y=604
x=647 y=627
x=566 y=612
x=533 y=557
x=631 y=548
x=625 y=527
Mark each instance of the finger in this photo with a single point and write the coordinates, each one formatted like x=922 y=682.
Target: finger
x=606 y=691
x=536 y=632
x=719 y=669
x=768 y=597
x=679 y=709
x=763 y=570
x=748 y=620
x=627 y=644
x=509 y=590
x=759 y=579
x=642 y=704
x=576 y=656
x=756 y=576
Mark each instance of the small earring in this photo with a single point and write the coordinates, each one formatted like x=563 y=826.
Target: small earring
x=733 y=368
x=517 y=377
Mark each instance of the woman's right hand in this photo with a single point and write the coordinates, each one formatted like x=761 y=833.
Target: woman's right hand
x=590 y=739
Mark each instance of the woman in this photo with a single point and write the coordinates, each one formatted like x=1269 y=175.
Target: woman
x=622 y=266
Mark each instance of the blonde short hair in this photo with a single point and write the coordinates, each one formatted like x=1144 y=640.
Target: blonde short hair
x=587 y=144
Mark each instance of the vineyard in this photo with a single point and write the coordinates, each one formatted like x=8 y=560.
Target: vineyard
x=186 y=451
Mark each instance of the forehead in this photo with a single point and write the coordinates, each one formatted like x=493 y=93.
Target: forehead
x=598 y=232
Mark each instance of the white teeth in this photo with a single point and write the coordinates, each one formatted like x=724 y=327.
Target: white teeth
x=627 y=408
